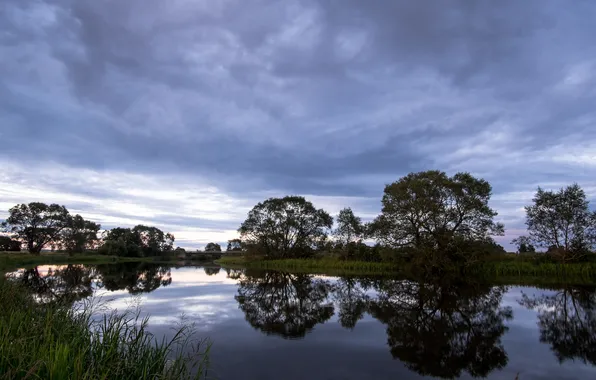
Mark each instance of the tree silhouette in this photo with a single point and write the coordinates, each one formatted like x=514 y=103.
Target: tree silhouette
x=284 y=304
x=567 y=321
x=443 y=329
x=210 y=271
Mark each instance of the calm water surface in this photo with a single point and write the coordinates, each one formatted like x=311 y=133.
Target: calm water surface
x=272 y=325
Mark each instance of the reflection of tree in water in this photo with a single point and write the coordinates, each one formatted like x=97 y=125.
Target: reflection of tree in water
x=67 y=283
x=442 y=330
x=211 y=271
x=352 y=301
x=134 y=277
x=285 y=304
x=567 y=321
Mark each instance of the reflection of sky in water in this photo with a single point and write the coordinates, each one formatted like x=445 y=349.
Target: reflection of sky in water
x=329 y=351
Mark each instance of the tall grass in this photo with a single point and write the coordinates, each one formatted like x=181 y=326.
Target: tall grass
x=322 y=266
x=58 y=342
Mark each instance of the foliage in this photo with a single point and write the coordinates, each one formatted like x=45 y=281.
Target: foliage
x=285 y=227
x=562 y=222
x=54 y=341
x=212 y=247
x=79 y=234
x=140 y=241
x=429 y=209
x=349 y=227
x=9 y=245
x=523 y=244
x=234 y=245
x=153 y=241
x=36 y=224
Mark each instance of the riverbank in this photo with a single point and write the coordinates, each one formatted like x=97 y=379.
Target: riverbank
x=506 y=268
x=55 y=341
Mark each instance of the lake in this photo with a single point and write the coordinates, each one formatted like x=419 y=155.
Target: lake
x=273 y=325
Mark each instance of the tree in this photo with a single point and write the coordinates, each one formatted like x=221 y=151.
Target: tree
x=36 y=224
x=234 y=245
x=523 y=244
x=8 y=244
x=121 y=242
x=562 y=222
x=212 y=247
x=349 y=226
x=153 y=241
x=285 y=227
x=429 y=210
x=79 y=234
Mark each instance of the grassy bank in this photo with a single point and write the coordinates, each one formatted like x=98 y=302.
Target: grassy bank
x=508 y=268
x=57 y=342
x=11 y=260
x=316 y=266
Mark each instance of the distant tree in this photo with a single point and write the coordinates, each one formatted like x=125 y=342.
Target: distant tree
x=8 y=244
x=430 y=210
x=523 y=244
x=285 y=227
x=36 y=224
x=563 y=222
x=212 y=247
x=121 y=242
x=349 y=227
x=79 y=234
x=209 y=271
x=234 y=245
x=153 y=241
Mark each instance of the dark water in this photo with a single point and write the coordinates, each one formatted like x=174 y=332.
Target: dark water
x=271 y=325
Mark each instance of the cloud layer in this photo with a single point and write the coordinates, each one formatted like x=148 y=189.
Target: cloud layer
x=183 y=114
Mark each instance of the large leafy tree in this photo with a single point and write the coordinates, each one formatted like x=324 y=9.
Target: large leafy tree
x=562 y=221
x=432 y=210
x=349 y=226
x=213 y=247
x=79 y=234
x=285 y=227
x=138 y=241
x=153 y=241
x=37 y=224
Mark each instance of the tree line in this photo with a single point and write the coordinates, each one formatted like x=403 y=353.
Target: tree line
x=427 y=217
x=38 y=225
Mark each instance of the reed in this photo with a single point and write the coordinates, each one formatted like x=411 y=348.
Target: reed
x=52 y=341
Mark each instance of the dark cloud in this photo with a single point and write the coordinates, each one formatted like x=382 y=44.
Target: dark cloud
x=329 y=98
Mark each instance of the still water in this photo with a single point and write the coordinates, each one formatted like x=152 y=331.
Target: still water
x=273 y=325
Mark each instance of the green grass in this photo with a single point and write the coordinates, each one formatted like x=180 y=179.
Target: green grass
x=316 y=266
x=58 y=342
x=507 y=268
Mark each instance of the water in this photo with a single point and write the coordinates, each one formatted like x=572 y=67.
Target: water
x=271 y=325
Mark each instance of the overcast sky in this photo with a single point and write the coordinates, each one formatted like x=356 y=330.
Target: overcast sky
x=185 y=113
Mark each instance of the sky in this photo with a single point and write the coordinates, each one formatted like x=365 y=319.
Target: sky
x=184 y=114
